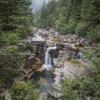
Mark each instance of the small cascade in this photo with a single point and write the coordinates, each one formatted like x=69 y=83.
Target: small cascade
x=48 y=63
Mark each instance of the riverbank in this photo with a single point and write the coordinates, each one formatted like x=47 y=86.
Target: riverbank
x=66 y=62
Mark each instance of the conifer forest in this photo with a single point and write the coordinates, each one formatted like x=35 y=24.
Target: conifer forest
x=49 y=49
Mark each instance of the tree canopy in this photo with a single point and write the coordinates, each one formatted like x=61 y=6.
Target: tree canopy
x=80 y=17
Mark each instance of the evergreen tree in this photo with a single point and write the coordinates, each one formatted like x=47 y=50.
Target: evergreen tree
x=15 y=15
x=81 y=17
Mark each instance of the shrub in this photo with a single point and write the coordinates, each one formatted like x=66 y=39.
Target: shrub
x=94 y=33
x=70 y=27
x=10 y=63
x=82 y=28
x=9 y=38
x=81 y=88
x=24 y=91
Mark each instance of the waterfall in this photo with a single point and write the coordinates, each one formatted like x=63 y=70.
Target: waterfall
x=48 y=63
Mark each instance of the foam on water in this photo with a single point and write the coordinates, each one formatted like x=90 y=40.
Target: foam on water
x=48 y=64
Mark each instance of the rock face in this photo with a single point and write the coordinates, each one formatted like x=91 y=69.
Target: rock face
x=43 y=96
x=36 y=46
x=34 y=50
x=68 y=46
x=65 y=57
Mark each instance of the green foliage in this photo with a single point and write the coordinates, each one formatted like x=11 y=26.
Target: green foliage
x=2 y=98
x=15 y=16
x=88 y=10
x=24 y=91
x=93 y=55
x=10 y=63
x=15 y=22
x=98 y=45
x=45 y=18
x=9 y=38
x=87 y=85
x=70 y=27
x=81 y=17
x=81 y=88
x=94 y=33
x=68 y=92
x=82 y=28
x=59 y=24
x=9 y=50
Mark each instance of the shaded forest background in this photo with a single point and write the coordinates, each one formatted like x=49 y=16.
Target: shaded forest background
x=15 y=16
x=80 y=17
x=15 y=24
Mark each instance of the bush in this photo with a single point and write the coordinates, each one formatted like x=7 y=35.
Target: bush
x=24 y=91
x=2 y=98
x=94 y=33
x=82 y=28
x=9 y=38
x=60 y=24
x=66 y=27
x=70 y=27
x=81 y=88
x=10 y=63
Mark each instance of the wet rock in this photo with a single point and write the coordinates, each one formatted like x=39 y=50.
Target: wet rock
x=38 y=38
x=43 y=96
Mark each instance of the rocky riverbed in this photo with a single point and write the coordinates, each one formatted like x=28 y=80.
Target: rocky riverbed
x=69 y=62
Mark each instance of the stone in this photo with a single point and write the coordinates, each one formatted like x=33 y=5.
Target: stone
x=38 y=38
x=43 y=96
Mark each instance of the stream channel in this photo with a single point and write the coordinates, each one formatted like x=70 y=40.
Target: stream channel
x=45 y=78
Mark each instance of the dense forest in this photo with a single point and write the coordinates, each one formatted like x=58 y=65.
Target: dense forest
x=17 y=21
x=80 y=17
x=15 y=16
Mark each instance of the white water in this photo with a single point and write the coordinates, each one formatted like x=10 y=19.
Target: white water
x=48 y=64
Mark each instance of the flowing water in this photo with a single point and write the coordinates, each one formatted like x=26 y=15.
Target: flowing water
x=45 y=78
x=48 y=63
x=46 y=82
x=46 y=87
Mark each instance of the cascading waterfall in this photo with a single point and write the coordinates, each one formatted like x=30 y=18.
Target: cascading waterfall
x=48 y=63
x=46 y=88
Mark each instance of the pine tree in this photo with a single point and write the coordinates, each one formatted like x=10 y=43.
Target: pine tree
x=15 y=15
x=80 y=17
